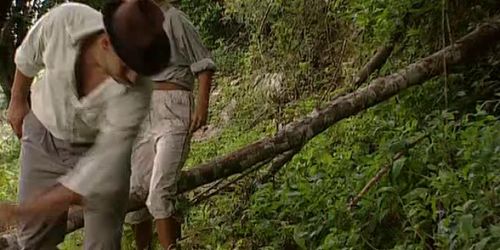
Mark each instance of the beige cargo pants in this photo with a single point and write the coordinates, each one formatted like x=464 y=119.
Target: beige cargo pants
x=44 y=159
x=160 y=152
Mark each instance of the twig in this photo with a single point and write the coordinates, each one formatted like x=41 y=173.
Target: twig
x=381 y=173
x=376 y=62
x=338 y=69
x=208 y=189
x=380 y=57
x=445 y=67
x=278 y=163
x=243 y=175
x=198 y=231
x=232 y=43
x=263 y=21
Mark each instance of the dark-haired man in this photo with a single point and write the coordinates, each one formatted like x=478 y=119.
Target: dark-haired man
x=163 y=144
x=87 y=107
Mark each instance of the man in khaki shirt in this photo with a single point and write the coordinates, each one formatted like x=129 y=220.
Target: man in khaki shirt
x=163 y=144
x=87 y=107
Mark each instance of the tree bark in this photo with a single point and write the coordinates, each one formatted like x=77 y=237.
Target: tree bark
x=375 y=63
x=5 y=48
x=298 y=133
x=13 y=30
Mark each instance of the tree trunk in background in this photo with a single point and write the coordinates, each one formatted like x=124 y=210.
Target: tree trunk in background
x=7 y=67
x=5 y=51
x=14 y=23
x=298 y=133
x=4 y=10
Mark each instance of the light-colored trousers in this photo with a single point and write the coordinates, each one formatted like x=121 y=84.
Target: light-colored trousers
x=44 y=159
x=160 y=152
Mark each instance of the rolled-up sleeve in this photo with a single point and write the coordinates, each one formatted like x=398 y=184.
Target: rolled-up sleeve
x=186 y=34
x=29 y=55
x=105 y=170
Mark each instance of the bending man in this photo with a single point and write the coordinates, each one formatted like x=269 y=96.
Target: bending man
x=87 y=107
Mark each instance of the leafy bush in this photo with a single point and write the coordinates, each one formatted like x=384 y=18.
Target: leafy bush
x=443 y=194
x=9 y=153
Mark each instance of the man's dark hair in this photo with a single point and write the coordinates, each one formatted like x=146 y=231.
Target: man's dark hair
x=137 y=35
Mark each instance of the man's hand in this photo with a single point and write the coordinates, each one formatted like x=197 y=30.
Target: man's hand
x=8 y=214
x=199 y=117
x=18 y=109
x=49 y=204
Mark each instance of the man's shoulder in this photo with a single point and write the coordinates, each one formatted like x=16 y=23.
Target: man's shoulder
x=175 y=14
x=75 y=19
x=72 y=9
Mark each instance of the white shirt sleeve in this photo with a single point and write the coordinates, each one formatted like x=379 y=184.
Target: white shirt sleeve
x=29 y=55
x=105 y=170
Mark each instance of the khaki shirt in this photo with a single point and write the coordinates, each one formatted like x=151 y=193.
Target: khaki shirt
x=109 y=117
x=188 y=54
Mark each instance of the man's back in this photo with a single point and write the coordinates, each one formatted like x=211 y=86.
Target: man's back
x=76 y=144
x=59 y=35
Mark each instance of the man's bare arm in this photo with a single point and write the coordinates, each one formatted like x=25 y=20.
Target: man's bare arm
x=201 y=113
x=52 y=203
x=18 y=106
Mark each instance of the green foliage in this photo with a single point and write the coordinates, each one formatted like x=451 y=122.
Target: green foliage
x=3 y=100
x=307 y=39
x=443 y=194
x=207 y=15
x=9 y=154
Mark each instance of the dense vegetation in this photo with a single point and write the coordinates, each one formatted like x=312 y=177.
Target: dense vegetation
x=278 y=60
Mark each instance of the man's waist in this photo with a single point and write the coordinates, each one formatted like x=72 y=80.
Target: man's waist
x=166 y=86
x=61 y=136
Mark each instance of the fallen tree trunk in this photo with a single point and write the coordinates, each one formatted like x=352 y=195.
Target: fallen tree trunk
x=296 y=134
x=278 y=161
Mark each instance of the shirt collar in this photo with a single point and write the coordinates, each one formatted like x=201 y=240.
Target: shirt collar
x=79 y=33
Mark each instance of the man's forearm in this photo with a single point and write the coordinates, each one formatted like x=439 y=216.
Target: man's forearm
x=205 y=82
x=21 y=86
x=53 y=202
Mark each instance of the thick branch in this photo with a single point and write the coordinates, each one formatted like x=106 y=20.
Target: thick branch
x=229 y=183
x=298 y=133
x=375 y=63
